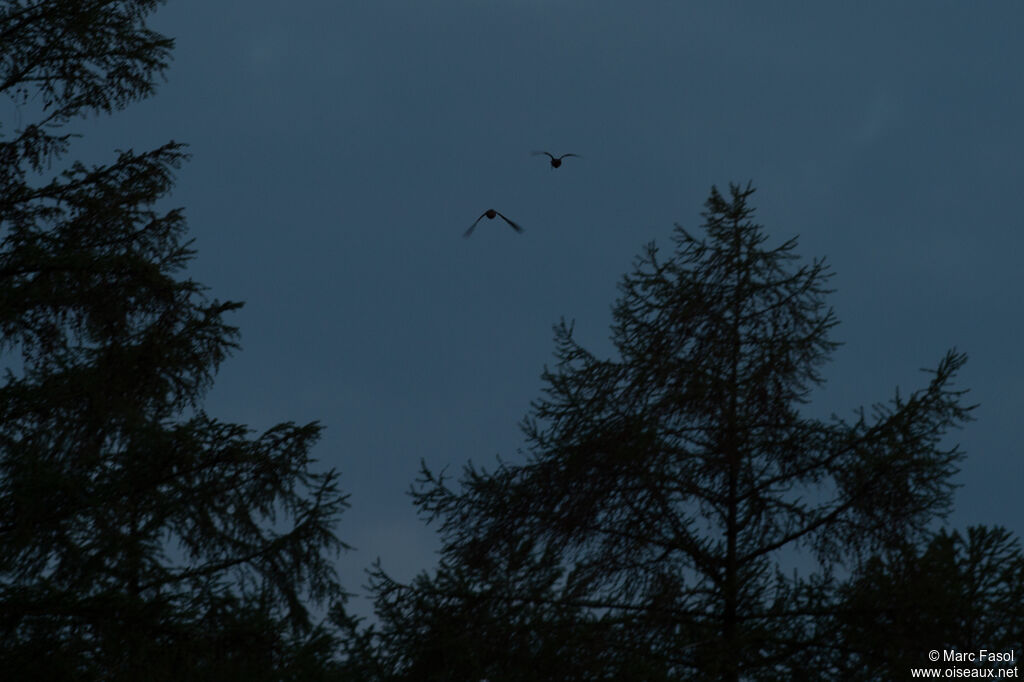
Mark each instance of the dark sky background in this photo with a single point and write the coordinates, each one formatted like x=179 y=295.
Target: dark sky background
x=341 y=150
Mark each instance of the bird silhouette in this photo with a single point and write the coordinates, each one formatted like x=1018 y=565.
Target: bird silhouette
x=490 y=214
x=556 y=161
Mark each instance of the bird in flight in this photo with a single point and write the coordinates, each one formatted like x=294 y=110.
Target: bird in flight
x=490 y=214
x=556 y=161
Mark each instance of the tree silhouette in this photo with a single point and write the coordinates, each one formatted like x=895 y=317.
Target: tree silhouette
x=140 y=538
x=959 y=593
x=501 y=618
x=671 y=485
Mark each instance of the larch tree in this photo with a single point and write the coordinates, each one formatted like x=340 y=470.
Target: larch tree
x=678 y=484
x=140 y=537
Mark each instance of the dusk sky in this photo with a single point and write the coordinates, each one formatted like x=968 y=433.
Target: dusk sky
x=341 y=149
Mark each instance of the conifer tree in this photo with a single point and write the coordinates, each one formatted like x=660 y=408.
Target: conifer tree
x=676 y=482
x=501 y=618
x=955 y=593
x=140 y=537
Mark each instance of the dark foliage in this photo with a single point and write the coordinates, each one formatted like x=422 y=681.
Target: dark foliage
x=958 y=593
x=504 y=618
x=666 y=489
x=140 y=538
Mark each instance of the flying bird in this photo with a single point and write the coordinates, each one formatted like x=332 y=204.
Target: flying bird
x=556 y=161
x=490 y=214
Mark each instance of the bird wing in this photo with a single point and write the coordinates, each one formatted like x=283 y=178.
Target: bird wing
x=565 y=155
x=547 y=153
x=470 y=230
x=514 y=226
